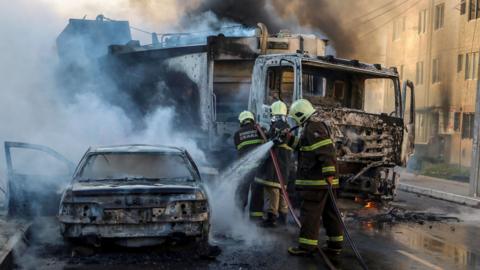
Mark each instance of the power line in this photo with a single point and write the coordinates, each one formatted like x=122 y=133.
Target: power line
x=365 y=20
x=393 y=18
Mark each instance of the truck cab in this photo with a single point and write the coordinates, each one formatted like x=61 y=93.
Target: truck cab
x=362 y=104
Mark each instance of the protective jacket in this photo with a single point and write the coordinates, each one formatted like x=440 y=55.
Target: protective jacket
x=267 y=174
x=316 y=156
x=247 y=138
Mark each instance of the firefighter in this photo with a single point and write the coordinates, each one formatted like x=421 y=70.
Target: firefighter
x=246 y=139
x=316 y=166
x=275 y=205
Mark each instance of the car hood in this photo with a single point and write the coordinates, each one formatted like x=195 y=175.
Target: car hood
x=106 y=188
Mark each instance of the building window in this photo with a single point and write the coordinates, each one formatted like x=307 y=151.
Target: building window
x=463 y=7
x=456 y=122
x=419 y=73
x=474 y=10
x=471 y=66
x=460 y=63
x=439 y=16
x=398 y=28
x=467 y=125
x=436 y=70
x=422 y=21
x=421 y=130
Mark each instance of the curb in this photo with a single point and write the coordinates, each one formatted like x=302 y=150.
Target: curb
x=14 y=243
x=446 y=196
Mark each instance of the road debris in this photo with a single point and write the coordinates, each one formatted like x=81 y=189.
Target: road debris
x=398 y=215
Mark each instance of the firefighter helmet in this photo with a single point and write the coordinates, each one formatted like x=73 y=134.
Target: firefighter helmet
x=246 y=115
x=278 y=108
x=301 y=110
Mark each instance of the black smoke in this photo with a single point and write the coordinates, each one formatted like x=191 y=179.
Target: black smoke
x=315 y=15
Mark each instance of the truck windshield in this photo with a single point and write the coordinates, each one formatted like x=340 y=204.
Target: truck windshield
x=340 y=88
x=135 y=166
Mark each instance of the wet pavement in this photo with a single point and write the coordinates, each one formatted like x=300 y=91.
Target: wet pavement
x=391 y=244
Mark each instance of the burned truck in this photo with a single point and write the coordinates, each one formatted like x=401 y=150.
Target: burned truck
x=210 y=79
x=361 y=103
x=206 y=79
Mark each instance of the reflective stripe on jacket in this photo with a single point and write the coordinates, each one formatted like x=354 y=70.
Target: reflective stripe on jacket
x=247 y=138
x=267 y=173
x=316 y=157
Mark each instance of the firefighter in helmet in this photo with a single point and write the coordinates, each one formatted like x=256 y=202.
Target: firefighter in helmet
x=275 y=205
x=246 y=139
x=316 y=170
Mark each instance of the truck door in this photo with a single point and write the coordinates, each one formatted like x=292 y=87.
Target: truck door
x=36 y=176
x=280 y=84
x=408 y=113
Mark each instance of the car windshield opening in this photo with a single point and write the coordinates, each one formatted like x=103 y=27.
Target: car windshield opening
x=136 y=166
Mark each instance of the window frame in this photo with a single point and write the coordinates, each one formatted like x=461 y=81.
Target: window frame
x=439 y=17
x=472 y=62
x=436 y=78
x=419 y=72
x=468 y=122
x=473 y=10
x=457 y=122
x=460 y=59
x=398 y=28
x=422 y=21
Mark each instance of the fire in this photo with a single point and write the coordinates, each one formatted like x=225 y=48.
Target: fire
x=370 y=205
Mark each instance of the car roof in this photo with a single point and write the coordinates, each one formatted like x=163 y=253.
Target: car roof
x=136 y=148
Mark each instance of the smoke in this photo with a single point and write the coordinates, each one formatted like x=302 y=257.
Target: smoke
x=248 y=12
x=34 y=108
x=339 y=21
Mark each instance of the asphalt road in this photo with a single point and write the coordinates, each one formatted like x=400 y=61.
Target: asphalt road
x=384 y=243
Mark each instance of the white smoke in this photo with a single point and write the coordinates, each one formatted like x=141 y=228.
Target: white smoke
x=34 y=109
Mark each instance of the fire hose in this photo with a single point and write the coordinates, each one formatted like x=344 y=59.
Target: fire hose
x=297 y=221
x=287 y=199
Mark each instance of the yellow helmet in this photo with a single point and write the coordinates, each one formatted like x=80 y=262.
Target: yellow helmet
x=279 y=108
x=301 y=110
x=246 y=115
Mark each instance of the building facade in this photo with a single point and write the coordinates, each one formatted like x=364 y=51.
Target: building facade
x=436 y=44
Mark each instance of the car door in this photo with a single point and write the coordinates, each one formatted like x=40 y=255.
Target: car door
x=36 y=177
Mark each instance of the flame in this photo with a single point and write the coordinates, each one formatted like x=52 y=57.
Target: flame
x=370 y=205
x=358 y=199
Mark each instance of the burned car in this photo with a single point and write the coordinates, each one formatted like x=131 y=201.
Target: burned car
x=135 y=195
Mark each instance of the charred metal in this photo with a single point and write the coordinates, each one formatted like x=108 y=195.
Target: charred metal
x=100 y=204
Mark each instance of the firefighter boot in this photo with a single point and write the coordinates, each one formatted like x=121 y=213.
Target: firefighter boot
x=298 y=251
x=282 y=219
x=270 y=221
x=333 y=254
x=332 y=250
